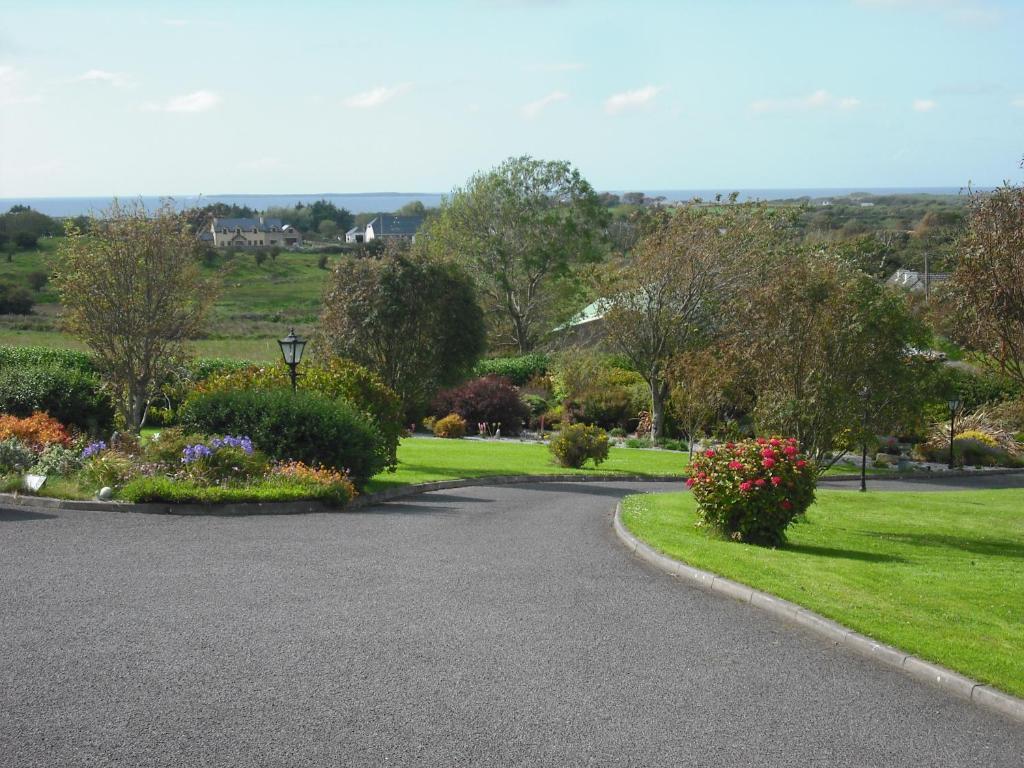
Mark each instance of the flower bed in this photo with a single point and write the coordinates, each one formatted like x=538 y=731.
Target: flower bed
x=172 y=467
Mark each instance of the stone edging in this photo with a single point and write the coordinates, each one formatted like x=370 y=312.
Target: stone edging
x=19 y=501
x=947 y=679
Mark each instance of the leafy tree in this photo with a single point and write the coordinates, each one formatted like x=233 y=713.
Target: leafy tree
x=327 y=229
x=988 y=300
x=324 y=210
x=671 y=296
x=415 y=323
x=704 y=386
x=26 y=240
x=814 y=333
x=522 y=231
x=14 y=299
x=133 y=290
x=413 y=208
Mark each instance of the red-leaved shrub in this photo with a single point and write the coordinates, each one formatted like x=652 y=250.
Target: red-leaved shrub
x=36 y=431
x=751 y=491
x=491 y=399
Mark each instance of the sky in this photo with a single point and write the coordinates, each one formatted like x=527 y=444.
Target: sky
x=187 y=98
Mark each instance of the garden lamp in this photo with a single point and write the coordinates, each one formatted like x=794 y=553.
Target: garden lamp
x=954 y=406
x=291 y=349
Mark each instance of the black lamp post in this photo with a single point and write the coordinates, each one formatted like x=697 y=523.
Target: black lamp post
x=954 y=406
x=291 y=349
x=864 y=395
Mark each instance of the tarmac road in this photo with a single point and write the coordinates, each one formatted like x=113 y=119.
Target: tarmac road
x=482 y=626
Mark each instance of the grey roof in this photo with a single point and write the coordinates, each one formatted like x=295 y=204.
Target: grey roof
x=912 y=280
x=389 y=224
x=356 y=231
x=261 y=224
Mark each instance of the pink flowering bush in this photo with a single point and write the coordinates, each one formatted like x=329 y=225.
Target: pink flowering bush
x=751 y=491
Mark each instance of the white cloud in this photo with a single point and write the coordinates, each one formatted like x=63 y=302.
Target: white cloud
x=1018 y=102
x=199 y=101
x=819 y=99
x=534 y=108
x=12 y=91
x=376 y=96
x=116 y=79
x=631 y=99
x=923 y=105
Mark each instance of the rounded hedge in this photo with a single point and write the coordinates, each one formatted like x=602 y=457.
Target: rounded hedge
x=303 y=426
x=73 y=396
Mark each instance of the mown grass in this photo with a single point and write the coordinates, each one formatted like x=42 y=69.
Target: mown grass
x=422 y=460
x=936 y=574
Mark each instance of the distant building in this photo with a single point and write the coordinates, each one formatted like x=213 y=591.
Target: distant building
x=387 y=225
x=251 y=233
x=355 y=235
x=914 y=281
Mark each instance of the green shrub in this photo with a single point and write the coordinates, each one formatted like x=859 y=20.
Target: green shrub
x=15 y=456
x=617 y=432
x=15 y=299
x=451 y=427
x=303 y=426
x=223 y=460
x=167 y=447
x=639 y=442
x=752 y=491
x=598 y=391
x=72 y=396
x=518 y=370
x=339 y=378
x=576 y=443
x=972 y=452
x=669 y=444
x=23 y=357
x=58 y=460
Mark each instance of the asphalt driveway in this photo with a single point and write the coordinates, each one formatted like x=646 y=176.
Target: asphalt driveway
x=484 y=626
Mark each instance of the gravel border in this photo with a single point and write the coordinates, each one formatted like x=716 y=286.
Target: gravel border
x=926 y=671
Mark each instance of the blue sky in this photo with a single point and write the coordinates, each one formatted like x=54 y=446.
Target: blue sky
x=186 y=98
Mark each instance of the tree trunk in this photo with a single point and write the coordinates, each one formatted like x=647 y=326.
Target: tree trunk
x=658 y=394
x=137 y=406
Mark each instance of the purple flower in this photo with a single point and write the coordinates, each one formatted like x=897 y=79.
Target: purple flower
x=93 y=448
x=191 y=453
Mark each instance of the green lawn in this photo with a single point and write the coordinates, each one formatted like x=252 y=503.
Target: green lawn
x=422 y=460
x=935 y=574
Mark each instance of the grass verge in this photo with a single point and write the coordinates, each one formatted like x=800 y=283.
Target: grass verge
x=423 y=460
x=936 y=574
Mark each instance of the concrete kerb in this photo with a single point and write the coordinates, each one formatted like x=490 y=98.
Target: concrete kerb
x=20 y=501
x=925 y=671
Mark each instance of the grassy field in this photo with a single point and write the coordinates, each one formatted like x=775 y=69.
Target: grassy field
x=422 y=460
x=258 y=303
x=935 y=574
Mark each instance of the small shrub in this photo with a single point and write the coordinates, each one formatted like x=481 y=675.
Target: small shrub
x=752 y=491
x=58 y=460
x=968 y=451
x=330 y=480
x=38 y=280
x=303 y=427
x=107 y=468
x=167 y=447
x=321 y=262
x=617 y=432
x=576 y=443
x=639 y=442
x=15 y=299
x=451 y=427
x=36 y=431
x=489 y=400
x=15 y=456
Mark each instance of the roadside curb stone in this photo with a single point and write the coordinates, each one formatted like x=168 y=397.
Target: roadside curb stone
x=925 y=671
x=21 y=501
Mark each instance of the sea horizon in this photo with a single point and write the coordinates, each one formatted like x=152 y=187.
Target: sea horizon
x=374 y=202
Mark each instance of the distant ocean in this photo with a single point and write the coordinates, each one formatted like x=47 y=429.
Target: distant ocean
x=373 y=202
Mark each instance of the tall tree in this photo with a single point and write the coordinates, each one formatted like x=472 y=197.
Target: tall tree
x=522 y=231
x=988 y=284
x=132 y=289
x=829 y=353
x=415 y=323
x=671 y=295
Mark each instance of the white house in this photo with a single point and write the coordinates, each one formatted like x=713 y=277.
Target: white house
x=251 y=233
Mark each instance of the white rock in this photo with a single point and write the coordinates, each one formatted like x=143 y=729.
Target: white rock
x=106 y=493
